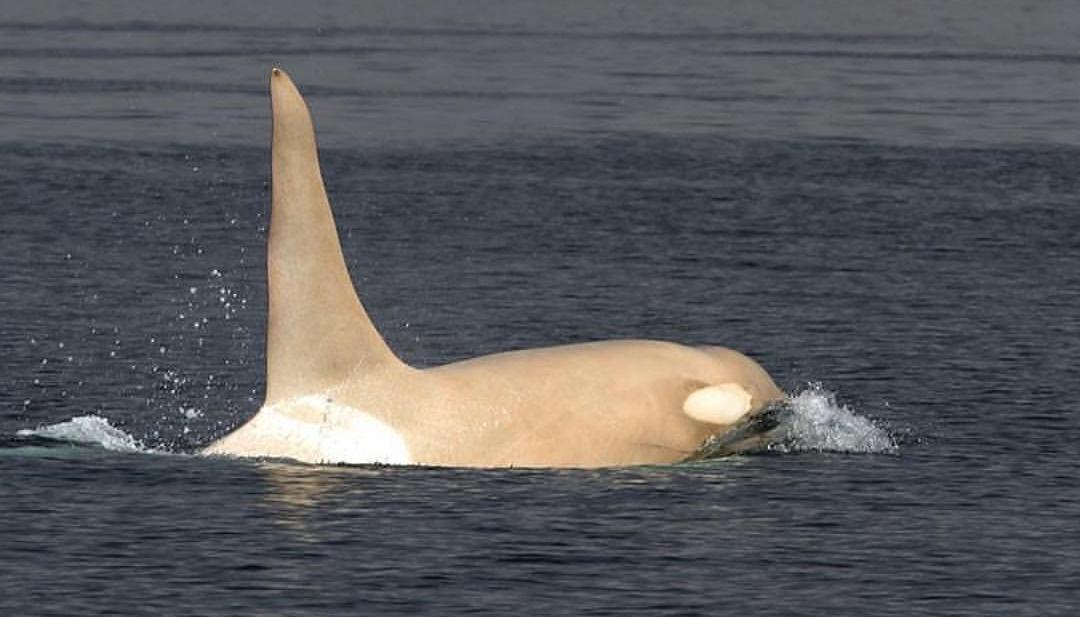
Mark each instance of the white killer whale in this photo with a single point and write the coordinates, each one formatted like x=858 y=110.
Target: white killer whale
x=336 y=393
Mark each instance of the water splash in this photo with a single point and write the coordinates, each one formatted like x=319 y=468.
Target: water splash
x=89 y=430
x=818 y=423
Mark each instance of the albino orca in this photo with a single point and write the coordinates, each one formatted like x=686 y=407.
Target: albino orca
x=336 y=393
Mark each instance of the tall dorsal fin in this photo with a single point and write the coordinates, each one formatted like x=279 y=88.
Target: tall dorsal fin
x=318 y=332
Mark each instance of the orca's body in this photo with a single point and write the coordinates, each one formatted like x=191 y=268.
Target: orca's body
x=336 y=393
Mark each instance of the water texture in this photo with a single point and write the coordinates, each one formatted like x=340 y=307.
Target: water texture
x=876 y=200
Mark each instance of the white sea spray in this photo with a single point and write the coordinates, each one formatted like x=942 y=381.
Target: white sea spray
x=819 y=423
x=87 y=430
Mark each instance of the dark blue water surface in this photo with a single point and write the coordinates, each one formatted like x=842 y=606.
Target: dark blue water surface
x=877 y=200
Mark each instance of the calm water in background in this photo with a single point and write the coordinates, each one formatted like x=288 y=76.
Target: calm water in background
x=878 y=196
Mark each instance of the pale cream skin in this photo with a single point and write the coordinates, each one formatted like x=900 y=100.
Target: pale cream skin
x=337 y=394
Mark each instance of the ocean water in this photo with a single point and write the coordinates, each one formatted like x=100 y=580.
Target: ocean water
x=877 y=200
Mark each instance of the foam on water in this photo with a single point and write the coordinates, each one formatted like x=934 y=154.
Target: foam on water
x=818 y=423
x=89 y=430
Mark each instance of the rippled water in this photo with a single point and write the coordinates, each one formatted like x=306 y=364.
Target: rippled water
x=876 y=200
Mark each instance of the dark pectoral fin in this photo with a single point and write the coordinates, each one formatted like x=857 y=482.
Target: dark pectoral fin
x=751 y=433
